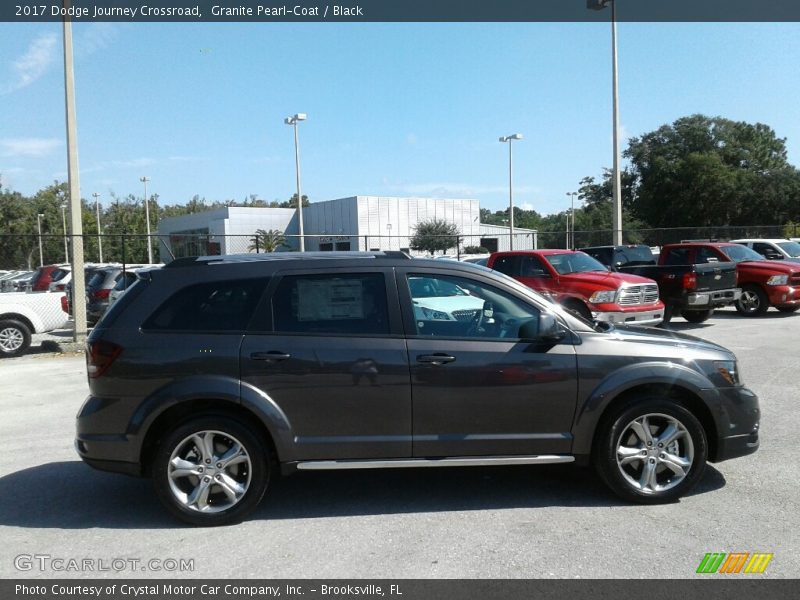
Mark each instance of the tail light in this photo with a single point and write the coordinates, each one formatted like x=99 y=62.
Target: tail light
x=99 y=357
x=101 y=294
x=689 y=281
x=65 y=304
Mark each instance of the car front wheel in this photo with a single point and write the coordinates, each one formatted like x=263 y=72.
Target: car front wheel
x=211 y=471
x=697 y=316
x=651 y=451
x=753 y=302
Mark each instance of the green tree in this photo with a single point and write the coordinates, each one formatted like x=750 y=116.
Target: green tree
x=267 y=241
x=703 y=171
x=435 y=235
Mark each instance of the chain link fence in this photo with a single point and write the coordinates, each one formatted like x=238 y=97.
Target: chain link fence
x=27 y=252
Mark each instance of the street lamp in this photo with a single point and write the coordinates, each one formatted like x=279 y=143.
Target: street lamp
x=39 y=227
x=509 y=139
x=144 y=180
x=616 y=182
x=572 y=218
x=294 y=121
x=64 y=223
x=99 y=233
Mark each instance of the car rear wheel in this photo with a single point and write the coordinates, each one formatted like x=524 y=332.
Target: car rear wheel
x=697 y=316
x=788 y=309
x=753 y=302
x=15 y=338
x=211 y=471
x=651 y=451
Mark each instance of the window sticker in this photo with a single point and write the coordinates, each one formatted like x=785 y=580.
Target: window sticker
x=330 y=300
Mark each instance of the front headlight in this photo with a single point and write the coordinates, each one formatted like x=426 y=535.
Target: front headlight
x=729 y=370
x=435 y=315
x=605 y=297
x=778 y=280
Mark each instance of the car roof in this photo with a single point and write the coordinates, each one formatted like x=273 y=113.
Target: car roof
x=546 y=252
x=285 y=256
x=768 y=240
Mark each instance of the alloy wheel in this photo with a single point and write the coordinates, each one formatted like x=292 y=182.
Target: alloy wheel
x=11 y=339
x=654 y=453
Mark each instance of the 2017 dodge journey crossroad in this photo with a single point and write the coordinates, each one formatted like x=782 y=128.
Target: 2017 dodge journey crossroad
x=214 y=374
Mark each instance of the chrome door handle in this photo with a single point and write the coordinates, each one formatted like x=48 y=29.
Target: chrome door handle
x=435 y=359
x=271 y=356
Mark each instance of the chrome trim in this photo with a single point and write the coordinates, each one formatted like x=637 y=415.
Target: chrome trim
x=649 y=317
x=483 y=461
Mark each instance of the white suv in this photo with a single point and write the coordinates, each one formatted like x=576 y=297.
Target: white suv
x=775 y=249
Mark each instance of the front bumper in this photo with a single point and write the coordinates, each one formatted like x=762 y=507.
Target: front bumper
x=645 y=317
x=739 y=424
x=783 y=295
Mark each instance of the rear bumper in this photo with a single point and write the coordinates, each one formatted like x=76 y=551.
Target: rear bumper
x=645 y=317
x=712 y=299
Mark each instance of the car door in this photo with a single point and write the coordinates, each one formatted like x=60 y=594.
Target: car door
x=328 y=349
x=477 y=388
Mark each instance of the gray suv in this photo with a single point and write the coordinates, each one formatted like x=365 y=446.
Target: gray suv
x=213 y=375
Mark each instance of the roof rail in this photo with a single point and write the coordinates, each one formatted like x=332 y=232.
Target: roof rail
x=267 y=256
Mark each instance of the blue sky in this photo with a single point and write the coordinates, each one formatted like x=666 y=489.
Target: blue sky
x=393 y=109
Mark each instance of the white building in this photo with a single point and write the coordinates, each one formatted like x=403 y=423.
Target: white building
x=353 y=223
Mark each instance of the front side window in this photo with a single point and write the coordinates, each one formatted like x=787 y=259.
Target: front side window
x=791 y=248
x=346 y=304
x=452 y=306
x=204 y=307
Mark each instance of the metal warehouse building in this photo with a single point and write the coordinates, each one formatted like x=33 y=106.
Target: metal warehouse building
x=353 y=223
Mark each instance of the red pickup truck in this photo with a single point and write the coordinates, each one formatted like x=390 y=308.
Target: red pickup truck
x=583 y=285
x=764 y=282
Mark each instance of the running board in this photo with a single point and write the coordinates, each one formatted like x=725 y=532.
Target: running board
x=483 y=461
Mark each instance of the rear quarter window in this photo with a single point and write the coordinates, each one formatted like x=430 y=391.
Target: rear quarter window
x=209 y=306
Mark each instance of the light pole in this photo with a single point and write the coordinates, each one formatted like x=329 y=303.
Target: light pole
x=509 y=139
x=144 y=180
x=99 y=232
x=294 y=121
x=616 y=179
x=39 y=227
x=64 y=223
x=571 y=243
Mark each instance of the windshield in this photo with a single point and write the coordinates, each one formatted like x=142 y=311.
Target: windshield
x=739 y=253
x=574 y=262
x=791 y=248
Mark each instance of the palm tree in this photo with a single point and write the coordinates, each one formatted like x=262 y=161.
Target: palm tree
x=267 y=241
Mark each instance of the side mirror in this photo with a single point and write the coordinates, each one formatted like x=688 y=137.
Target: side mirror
x=545 y=328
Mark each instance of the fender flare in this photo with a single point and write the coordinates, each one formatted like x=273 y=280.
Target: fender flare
x=589 y=413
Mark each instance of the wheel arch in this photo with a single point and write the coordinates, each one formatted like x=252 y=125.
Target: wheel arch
x=676 y=382
x=21 y=318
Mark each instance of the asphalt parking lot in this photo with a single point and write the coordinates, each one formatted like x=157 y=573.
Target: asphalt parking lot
x=504 y=522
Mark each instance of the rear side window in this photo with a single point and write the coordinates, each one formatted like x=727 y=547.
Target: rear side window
x=507 y=264
x=331 y=304
x=210 y=306
x=677 y=256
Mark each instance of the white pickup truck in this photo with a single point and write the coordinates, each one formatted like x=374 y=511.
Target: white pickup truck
x=23 y=314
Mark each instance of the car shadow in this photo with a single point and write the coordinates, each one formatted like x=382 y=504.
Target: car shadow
x=70 y=495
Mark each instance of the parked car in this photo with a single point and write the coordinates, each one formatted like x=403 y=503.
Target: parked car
x=478 y=259
x=43 y=277
x=60 y=279
x=692 y=290
x=774 y=249
x=583 y=285
x=319 y=361
x=22 y=315
x=17 y=281
x=764 y=282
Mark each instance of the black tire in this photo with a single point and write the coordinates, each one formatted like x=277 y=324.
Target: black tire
x=788 y=309
x=15 y=337
x=615 y=434
x=697 y=316
x=669 y=310
x=753 y=301
x=578 y=308
x=251 y=478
